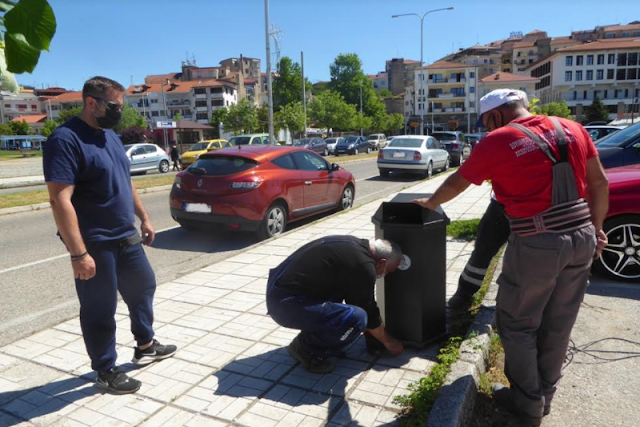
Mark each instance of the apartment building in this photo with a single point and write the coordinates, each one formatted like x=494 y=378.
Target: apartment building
x=380 y=81
x=64 y=101
x=400 y=74
x=606 y=32
x=504 y=80
x=14 y=105
x=608 y=69
x=486 y=59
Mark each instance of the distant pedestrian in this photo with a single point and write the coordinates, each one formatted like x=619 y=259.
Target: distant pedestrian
x=541 y=169
x=326 y=290
x=175 y=157
x=94 y=201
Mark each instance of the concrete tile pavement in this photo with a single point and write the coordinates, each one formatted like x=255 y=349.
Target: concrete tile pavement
x=231 y=367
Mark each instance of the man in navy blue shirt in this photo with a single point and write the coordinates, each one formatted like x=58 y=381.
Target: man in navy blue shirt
x=94 y=202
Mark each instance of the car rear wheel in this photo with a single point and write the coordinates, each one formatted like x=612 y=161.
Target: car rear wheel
x=274 y=223
x=368 y=150
x=164 y=166
x=326 y=152
x=446 y=165
x=346 y=199
x=620 y=259
x=429 y=172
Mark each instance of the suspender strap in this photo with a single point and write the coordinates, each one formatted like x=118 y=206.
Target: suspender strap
x=561 y=140
x=535 y=138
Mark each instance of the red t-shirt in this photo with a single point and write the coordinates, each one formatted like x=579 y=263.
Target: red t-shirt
x=520 y=172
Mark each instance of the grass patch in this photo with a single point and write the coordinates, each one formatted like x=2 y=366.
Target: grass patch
x=347 y=157
x=16 y=154
x=466 y=229
x=155 y=181
x=495 y=371
x=423 y=393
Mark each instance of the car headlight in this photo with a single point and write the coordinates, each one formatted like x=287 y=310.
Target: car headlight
x=351 y=146
x=197 y=156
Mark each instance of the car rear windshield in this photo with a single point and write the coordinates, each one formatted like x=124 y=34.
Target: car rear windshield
x=441 y=136
x=372 y=137
x=199 y=146
x=619 y=138
x=239 y=140
x=301 y=142
x=405 y=143
x=221 y=165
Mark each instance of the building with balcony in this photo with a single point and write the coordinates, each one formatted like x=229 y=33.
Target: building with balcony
x=507 y=81
x=21 y=104
x=608 y=69
x=65 y=101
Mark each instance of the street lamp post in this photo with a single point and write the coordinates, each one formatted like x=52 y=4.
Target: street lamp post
x=166 y=114
x=361 y=107
x=424 y=98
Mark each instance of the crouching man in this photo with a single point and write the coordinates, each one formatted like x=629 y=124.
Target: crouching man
x=326 y=289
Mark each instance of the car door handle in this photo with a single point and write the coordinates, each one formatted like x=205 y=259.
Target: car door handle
x=308 y=182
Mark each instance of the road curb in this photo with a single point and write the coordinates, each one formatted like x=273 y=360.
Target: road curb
x=21 y=184
x=46 y=205
x=456 y=401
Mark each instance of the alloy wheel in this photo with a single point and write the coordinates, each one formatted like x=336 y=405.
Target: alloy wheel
x=346 y=201
x=275 y=221
x=621 y=256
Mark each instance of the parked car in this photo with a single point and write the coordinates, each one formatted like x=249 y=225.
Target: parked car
x=621 y=258
x=198 y=149
x=258 y=188
x=377 y=140
x=353 y=145
x=146 y=157
x=474 y=138
x=620 y=148
x=250 y=139
x=331 y=144
x=456 y=144
x=598 y=123
x=314 y=144
x=597 y=132
x=413 y=153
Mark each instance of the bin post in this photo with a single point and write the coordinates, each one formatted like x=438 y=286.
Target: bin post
x=413 y=302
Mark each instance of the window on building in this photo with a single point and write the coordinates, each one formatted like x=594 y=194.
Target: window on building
x=610 y=36
x=584 y=94
x=575 y=95
x=600 y=59
x=531 y=61
x=632 y=73
x=606 y=94
x=579 y=75
x=636 y=34
x=569 y=61
x=568 y=76
x=610 y=74
x=621 y=74
x=155 y=113
x=589 y=75
x=201 y=103
x=217 y=103
x=202 y=116
x=632 y=58
x=626 y=93
x=622 y=59
x=615 y=94
x=600 y=75
x=589 y=59
x=611 y=59
x=200 y=91
x=154 y=101
x=22 y=106
x=215 y=90
x=579 y=60
x=472 y=89
x=472 y=75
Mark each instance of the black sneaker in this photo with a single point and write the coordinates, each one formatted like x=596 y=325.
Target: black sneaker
x=155 y=352
x=460 y=301
x=117 y=382
x=313 y=364
x=502 y=396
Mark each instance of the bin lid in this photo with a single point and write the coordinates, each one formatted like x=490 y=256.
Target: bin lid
x=399 y=212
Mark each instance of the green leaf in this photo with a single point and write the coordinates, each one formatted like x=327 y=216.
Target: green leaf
x=6 y=6
x=21 y=56
x=35 y=20
x=8 y=80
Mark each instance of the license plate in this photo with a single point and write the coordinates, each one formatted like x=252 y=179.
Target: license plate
x=398 y=155
x=197 y=207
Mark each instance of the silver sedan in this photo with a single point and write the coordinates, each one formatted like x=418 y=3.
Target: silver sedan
x=413 y=153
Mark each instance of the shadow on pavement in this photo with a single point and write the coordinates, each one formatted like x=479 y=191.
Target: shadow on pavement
x=602 y=286
x=204 y=240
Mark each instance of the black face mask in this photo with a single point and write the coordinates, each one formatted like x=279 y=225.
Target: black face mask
x=110 y=119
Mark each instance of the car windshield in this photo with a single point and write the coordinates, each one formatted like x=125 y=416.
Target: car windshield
x=199 y=146
x=221 y=165
x=301 y=142
x=239 y=140
x=619 y=138
x=128 y=147
x=442 y=136
x=406 y=143
x=331 y=140
x=350 y=139
x=372 y=137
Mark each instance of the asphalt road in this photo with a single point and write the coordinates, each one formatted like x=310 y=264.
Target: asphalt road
x=36 y=281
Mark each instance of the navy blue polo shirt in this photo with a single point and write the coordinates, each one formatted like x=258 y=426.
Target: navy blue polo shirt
x=93 y=160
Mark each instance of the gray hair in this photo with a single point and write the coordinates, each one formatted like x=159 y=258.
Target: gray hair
x=387 y=249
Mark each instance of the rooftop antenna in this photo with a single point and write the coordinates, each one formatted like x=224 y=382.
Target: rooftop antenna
x=276 y=34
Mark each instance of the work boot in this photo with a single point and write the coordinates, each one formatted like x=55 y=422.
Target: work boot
x=460 y=301
x=502 y=396
x=314 y=364
x=117 y=382
x=155 y=352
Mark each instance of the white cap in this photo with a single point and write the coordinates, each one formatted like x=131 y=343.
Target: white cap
x=497 y=98
x=405 y=263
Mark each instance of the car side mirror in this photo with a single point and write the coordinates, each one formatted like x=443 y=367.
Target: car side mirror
x=335 y=167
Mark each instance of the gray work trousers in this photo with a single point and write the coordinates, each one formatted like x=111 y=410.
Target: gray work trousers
x=543 y=281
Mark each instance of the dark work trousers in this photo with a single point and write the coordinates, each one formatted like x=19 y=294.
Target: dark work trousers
x=493 y=232
x=123 y=269
x=543 y=281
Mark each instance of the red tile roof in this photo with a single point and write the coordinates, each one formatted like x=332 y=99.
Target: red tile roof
x=622 y=27
x=34 y=118
x=519 y=45
x=68 y=97
x=603 y=45
x=157 y=78
x=440 y=65
x=507 y=78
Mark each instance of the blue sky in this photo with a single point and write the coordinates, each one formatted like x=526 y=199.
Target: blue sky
x=128 y=39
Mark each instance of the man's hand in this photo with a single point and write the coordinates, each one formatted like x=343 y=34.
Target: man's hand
x=392 y=345
x=425 y=203
x=85 y=268
x=601 y=242
x=148 y=233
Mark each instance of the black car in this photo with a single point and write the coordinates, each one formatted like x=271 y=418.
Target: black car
x=314 y=144
x=456 y=144
x=621 y=148
x=353 y=145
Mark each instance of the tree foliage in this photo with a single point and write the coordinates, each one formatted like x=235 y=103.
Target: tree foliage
x=291 y=116
x=134 y=135
x=287 y=84
x=20 y=128
x=596 y=112
x=5 y=129
x=263 y=118
x=558 y=109
x=218 y=116
x=242 y=118
x=329 y=110
x=130 y=118
x=65 y=115
x=395 y=122
x=48 y=128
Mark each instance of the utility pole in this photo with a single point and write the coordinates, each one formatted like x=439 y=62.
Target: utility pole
x=272 y=139
x=304 y=94
x=166 y=115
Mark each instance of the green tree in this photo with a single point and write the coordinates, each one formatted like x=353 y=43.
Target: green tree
x=287 y=84
x=291 y=116
x=130 y=118
x=385 y=93
x=558 y=109
x=242 y=117
x=395 y=122
x=263 y=118
x=360 y=121
x=176 y=116
x=329 y=110
x=218 y=116
x=5 y=129
x=347 y=78
x=27 y=29
x=597 y=111
x=65 y=115
x=48 y=128
x=20 y=128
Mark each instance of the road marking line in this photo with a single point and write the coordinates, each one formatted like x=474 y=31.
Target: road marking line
x=369 y=177
x=53 y=258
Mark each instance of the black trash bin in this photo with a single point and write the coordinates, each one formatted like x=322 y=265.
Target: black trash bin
x=412 y=302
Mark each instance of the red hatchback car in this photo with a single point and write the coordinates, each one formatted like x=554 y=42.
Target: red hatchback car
x=258 y=188
x=621 y=258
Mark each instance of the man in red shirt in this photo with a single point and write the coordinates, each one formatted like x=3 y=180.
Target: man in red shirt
x=541 y=169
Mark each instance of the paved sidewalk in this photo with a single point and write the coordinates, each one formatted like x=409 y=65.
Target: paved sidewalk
x=232 y=367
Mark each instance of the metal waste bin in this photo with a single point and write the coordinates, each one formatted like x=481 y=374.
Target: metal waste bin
x=412 y=302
